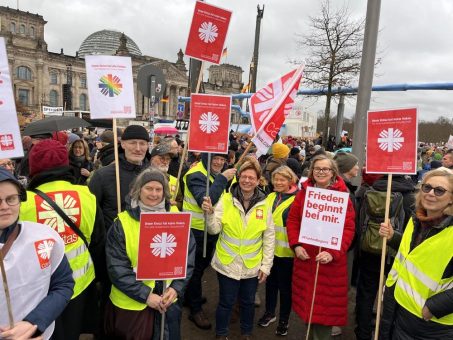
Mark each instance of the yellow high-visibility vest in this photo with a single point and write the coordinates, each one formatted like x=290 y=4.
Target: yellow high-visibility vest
x=418 y=273
x=282 y=248
x=80 y=205
x=235 y=239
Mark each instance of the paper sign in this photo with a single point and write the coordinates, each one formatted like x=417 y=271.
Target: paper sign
x=450 y=142
x=392 y=141
x=209 y=123
x=10 y=140
x=208 y=32
x=52 y=111
x=323 y=217
x=163 y=246
x=110 y=87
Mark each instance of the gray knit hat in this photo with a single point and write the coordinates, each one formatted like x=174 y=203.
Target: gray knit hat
x=146 y=176
x=345 y=161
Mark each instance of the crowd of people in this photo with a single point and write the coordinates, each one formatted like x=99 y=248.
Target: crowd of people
x=77 y=274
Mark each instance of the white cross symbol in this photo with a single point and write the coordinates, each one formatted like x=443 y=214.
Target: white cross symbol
x=390 y=140
x=208 y=32
x=209 y=122
x=163 y=245
x=52 y=218
x=6 y=140
x=45 y=248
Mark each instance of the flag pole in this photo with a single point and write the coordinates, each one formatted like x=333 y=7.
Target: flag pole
x=7 y=296
x=383 y=254
x=117 y=166
x=313 y=298
x=162 y=320
x=205 y=231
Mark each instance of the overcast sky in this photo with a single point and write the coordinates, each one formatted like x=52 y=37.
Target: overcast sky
x=414 y=38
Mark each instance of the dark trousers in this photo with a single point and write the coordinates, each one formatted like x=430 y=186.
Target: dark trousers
x=71 y=323
x=367 y=289
x=194 y=289
x=230 y=291
x=279 y=280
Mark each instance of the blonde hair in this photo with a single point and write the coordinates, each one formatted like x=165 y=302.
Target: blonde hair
x=286 y=172
x=250 y=164
x=439 y=172
x=333 y=166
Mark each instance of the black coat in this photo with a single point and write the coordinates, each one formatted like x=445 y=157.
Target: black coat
x=103 y=186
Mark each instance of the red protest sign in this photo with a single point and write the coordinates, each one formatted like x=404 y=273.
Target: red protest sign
x=392 y=141
x=208 y=32
x=323 y=217
x=209 y=123
x=163 y=246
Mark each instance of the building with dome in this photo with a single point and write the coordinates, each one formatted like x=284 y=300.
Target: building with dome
x=43 y=78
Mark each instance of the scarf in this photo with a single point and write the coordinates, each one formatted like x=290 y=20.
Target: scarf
x=146 y=208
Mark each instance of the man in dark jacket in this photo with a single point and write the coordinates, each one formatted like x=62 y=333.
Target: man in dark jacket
x=194 y=193
x=134 y=142
x=370 y=264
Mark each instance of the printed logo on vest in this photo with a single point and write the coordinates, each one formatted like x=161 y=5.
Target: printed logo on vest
x=43 y=250
x=69 y=202
x=334 y=241
x=259 y=214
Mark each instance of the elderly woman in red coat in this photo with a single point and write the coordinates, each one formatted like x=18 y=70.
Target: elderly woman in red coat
x=331 y=301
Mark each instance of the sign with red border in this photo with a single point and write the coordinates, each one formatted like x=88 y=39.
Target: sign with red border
x=392 y=141
x=163 y=246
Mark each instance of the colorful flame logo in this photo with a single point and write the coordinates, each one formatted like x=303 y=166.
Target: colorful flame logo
x=110 y=85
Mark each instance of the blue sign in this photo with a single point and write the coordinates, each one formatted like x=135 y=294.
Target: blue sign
x=181 y=107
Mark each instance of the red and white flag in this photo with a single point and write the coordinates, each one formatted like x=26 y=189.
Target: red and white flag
x=270 y=106
x=208 y=32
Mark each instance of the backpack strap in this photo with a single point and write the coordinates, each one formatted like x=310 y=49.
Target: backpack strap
x=60 y=212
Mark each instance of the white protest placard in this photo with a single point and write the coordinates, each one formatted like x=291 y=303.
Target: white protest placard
x=323 y=217
x=110 y=87
x=10 y=140
x=52 y=110
x=449 y=143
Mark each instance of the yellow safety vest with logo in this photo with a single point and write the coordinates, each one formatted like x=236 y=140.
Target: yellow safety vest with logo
x=238 y=240
x=131 y=229
x=172 y=181
x=189 y=203
x=282 y=248
x=418 y=273
x=80 y=205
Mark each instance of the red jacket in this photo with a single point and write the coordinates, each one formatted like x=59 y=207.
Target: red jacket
x=331 y=301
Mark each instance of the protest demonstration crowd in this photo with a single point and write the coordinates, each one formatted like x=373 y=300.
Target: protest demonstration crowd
x=109 y=233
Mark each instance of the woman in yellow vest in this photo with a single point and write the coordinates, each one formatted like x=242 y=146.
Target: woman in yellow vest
x=418 y=300
x=245 y=248
x=284 y=182
x=130 y=313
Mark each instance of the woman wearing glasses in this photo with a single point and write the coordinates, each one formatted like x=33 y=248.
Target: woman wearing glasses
x=418 y=300
x=330 y=306
x=38 y=274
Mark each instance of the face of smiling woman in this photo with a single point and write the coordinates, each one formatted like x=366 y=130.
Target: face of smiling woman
x=435 y=205
x=322 y=173
x=152 y=193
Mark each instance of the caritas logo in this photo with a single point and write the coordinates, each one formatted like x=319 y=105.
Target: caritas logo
x=6 y=142
x=43 y=250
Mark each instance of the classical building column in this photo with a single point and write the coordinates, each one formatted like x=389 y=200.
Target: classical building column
x=39 y=83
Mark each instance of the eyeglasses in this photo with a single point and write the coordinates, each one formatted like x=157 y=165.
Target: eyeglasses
x=438 y=191
x=248 y=178
x=321 y=170
x=10 y=164
x=10 y=200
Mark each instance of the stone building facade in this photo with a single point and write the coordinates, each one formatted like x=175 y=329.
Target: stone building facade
x=38 y=75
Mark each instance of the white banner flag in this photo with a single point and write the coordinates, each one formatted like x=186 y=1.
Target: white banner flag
x=110 y=87
x=10 y=140
x=450 y=142
x=323 y=219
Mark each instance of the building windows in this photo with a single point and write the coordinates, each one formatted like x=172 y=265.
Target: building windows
x=22 y=29
x=23 y=73
x=12 y=27
x=53 y=98
x=53 y=78
x=24 y=97
x=83 y=102
x=32 y=32
x=83 y=81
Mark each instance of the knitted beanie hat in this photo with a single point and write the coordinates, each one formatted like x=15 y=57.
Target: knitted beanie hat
x=107 y=136
x=135 y=132
x=280 y=150
x=437 y=156
x=345 y=161
x=47 y=154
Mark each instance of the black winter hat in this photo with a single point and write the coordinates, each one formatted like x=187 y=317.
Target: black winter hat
x=7 y=176
x=135 y=132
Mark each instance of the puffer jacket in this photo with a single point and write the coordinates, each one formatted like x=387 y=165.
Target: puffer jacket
x=331 y=303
